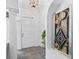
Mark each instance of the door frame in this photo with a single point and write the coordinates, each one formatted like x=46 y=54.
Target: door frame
x=19 y=34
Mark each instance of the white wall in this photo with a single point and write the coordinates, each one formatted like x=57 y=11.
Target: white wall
x=12 y=7
x=12 y=36
x=12 y=4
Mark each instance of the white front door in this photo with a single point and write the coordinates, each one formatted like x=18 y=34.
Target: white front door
x=29 y=34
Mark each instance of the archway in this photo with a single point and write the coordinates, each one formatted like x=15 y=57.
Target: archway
x=55 y=6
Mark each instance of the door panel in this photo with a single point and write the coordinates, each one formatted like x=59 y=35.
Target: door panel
x=29 y=34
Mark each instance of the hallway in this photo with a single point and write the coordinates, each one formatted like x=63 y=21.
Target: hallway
x=29 y=27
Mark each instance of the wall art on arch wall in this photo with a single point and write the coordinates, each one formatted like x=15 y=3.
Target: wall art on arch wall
x=61 y=42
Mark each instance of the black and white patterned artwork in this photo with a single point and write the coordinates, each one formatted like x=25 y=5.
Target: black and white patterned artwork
x=62 y=31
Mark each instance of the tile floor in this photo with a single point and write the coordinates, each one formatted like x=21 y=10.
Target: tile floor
x=52 y=53
x=31 y=53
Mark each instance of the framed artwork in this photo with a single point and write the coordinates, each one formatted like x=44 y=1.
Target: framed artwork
x=61 y=42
